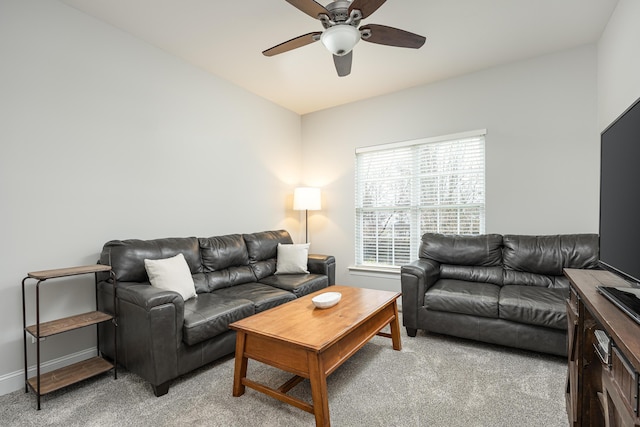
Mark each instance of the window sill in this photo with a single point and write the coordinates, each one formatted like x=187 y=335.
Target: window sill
x=365 y=270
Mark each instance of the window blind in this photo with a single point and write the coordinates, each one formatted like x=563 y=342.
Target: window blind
x=404 y=190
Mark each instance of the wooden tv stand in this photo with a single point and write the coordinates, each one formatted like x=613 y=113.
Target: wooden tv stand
x=601 y=391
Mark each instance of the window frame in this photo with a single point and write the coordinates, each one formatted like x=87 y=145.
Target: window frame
x=415 y=206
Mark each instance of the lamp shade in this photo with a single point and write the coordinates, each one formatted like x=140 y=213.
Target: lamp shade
x=306 y=199
x=340 y=38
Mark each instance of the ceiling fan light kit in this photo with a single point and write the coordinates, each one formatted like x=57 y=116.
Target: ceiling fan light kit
x=340 y=39
x=340 y=20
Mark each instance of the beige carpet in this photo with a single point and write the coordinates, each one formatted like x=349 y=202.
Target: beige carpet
x=434 y=381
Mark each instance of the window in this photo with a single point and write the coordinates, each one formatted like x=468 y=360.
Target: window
x=406 y=189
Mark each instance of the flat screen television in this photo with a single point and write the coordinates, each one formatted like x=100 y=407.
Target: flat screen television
x=620 y=195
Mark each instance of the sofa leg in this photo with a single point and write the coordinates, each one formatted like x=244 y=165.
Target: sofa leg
x=411 y=332
x=161 y=389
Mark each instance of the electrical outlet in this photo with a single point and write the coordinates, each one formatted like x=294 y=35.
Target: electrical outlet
x=33 y=339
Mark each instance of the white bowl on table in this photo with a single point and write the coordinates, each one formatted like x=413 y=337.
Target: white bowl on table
x=326 y=299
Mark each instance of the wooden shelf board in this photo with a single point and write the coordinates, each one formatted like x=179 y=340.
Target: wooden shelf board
x=69 y=323
x=65 y=272
x=55 y=380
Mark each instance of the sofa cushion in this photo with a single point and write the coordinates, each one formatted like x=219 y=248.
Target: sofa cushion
x=126 y=257
x=171 y=274
x=478 y=250
x=223 y=252
x=262 y=248
x=264 y=245
x=550 y=254
x=225 y=262
x=262 y=296
x=534 y=306
x=524 y=278
x=209 y=315
x=231 y=276
x=299 y=284
x=471 y=273
x=459 y=296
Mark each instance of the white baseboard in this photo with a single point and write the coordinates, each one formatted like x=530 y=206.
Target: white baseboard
x=15 y=380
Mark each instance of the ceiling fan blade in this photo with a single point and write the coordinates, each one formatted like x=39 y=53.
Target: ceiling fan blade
x=367 y=7
x=310 y=7
x=293 y=43
x=343 y=64
x=381 y=34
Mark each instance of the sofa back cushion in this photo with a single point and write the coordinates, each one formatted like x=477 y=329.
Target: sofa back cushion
x=539 y=260
x=126 y=257
x=550 y=254
x=262 y=248
x=225 y=262
x=471 y=273
x=477 y=250
x=472 y=258
x=221 y=252
x=510 y=259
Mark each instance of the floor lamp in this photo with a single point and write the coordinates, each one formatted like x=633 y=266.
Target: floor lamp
x=306 y=199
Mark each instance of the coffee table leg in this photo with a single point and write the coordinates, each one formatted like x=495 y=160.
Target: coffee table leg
x=395 y=329
x=319 y=394
x=240 y=371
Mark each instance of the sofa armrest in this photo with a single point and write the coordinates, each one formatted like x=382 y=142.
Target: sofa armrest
x=147 y=297
x=323 y=264
x=149 y=329
x=415 y=279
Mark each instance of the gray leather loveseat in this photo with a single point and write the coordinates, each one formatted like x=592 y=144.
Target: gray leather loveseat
x=507 y=290
x=160 y=335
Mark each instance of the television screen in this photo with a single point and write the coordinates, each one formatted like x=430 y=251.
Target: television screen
x=620 y=195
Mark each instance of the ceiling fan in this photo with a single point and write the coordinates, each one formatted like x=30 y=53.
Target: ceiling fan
x=340 y=19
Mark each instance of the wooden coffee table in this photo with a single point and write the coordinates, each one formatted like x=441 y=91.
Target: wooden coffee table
x=312 y=343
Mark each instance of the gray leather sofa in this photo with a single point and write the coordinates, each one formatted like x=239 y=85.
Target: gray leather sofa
x=507 y=290
x=161 y=336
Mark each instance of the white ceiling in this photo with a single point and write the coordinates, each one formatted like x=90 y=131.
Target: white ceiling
x=226 y=38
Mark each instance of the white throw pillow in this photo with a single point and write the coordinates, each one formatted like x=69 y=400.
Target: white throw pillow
x=171 y=274
x=292 y=259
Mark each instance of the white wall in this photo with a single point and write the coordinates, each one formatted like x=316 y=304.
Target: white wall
x=619 y=63
x=105 y=137
x=542 y=148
